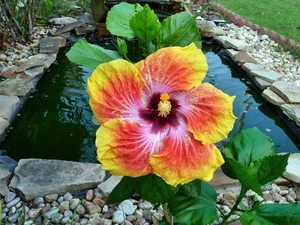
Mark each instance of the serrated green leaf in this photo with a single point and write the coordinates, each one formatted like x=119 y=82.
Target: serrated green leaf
x=145 y=25
x=154 y=189
x=250 y=218
x=89 y=55
x=179 y=30
x=118 y=17
x=123 y=191
x=191 y=211
x=248 y=146
x=270 y=168
x=192 y=189
x=246 y=175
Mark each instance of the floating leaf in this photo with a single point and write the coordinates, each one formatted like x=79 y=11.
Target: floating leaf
x=89 y=55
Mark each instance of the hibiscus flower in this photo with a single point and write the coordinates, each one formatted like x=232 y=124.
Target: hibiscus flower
x=156 y=116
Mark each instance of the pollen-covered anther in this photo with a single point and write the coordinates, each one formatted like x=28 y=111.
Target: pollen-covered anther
x=164 y=106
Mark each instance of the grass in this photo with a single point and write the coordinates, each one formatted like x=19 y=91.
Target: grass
x=281 y=16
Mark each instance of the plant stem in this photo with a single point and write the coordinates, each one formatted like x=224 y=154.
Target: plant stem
x=235 y=207
x=168 y=216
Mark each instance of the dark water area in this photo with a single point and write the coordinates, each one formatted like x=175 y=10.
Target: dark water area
x=56 y=122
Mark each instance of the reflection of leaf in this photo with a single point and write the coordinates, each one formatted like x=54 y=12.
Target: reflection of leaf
x=117 y=21
x=89 y=55
x=191 y=211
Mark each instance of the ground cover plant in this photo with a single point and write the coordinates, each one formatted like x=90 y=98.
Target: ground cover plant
x=280 y=16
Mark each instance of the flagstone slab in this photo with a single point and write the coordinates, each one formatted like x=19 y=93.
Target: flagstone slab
x=6 y=105
x=221 y=181
x=269 y=76
x=40 y=59
x=292 y=111
x=235 y=44
x=40 y=177
x=49 y=45
x=221 y=40
x=16 y=87
x=248 y=67
x=262 y=84
x=35 y=71
x=272 y=97
x=3 y=125
x=69 y=27
x=293 y=168
x=289 y=93
x=243 y=57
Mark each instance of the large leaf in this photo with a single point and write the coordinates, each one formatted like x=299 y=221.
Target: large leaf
x=270 y=168
x=123 y=191
x=246 y=175
x=249 y=146
x=118 y=17
x=89 y=55
x=192 y=189
x=273 y=214
x=179 y=30
x=145 y=25
x=191 y=211
x=154 y=189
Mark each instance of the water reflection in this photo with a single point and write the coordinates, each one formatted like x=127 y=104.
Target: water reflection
x=57 y=122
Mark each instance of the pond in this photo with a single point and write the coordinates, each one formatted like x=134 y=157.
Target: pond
x=57 y=121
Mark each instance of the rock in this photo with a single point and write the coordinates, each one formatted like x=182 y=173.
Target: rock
x=4 y=124
x=49 y=45
x=89 y=195
x=7 y=103
x=269 y=76
x=208 y=30
x=289 y=93
x=262 y=84
x=127 y=207
x=69 y=27
x=107 y=186
x=34 y=72
x=118 y=217
x=145 y=205
x=16 y=87
x=272 y=97
x=293 y=167
x=292 y=111
x=38 y=177
x=235 y=44
x=62 y=21
x=86 y=18
x=243 y=57
x=37 y=60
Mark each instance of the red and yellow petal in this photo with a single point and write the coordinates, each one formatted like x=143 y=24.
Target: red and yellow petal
x=124 y=148
x=115 y=90
x=184 y=159
x=209 y=113
x=174 y=68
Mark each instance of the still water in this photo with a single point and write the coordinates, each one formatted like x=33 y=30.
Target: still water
x=56 y=122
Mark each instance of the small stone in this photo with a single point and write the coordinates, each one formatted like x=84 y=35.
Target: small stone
x=131 y=218
x=98 y=201
x=33 y=213
x=118 y=217
x=80 y=209
x=276 y=197
x=51 y=198
x=127 y=207
x=68 y=196
x=9 y=196
x=90 y=207
x=290 y=199
x=156 y=217
x=283 y=192
x=145 y=205
x=74 y=202
x=89 y=195
x=13 y=202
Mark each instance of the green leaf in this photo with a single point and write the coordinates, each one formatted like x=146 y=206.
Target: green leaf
x=280 y=213
x=145 y=25
x=89 y=55
x=270 y=168
x=154 y=189
x=123 y=191
x=118 y=17
x=249 y=146
x=249 y=218
x=122 y=47
x=179 y=30
x=192 y=189
x=191 y=211
x=246 y=175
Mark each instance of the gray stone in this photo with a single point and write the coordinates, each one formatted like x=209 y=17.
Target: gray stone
x=68 y=196
x=145 y=205
x=269 y=76
x=40 y=59
x=9 y=196
x=38 y=200
x=127 y=207
x=248 y=67
x=4 y=124
x=118 y=217
x=91 y=208
x=39 y=177
x=50 y=212
x=292 y=111
x=107 y=186
x=84 y=30
x=16 y=87
x=51 y=198
x=293 y=168
x=232 y=53
x=272 y=97
x=69 y=27
x=86 y=18
x=243 y=57
x=290 y=93
x=8 y=162
x=262 y=84
x=209 y=30
x=74 y=202
x=221 y=40
x=49 y=45
x=62 y=20
x=13 y=202
x=6 y=105
x=35 y=71
x=235 y=44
